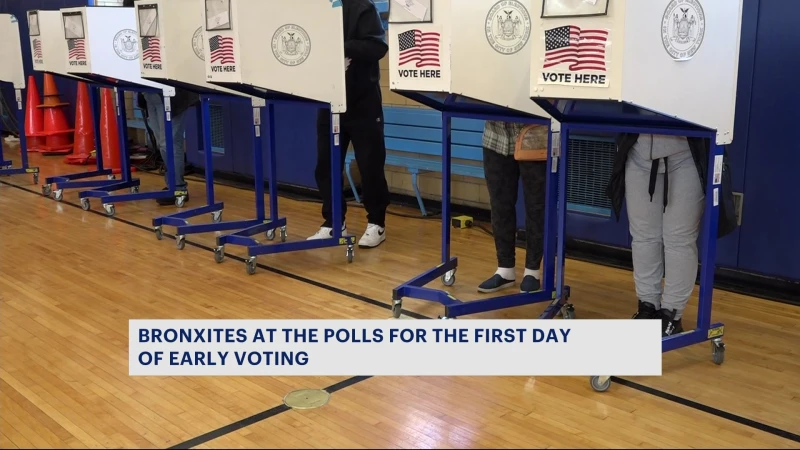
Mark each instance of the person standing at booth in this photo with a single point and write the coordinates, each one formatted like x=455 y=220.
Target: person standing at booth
x=362 y=124
x=514 y=151
x=662 y=180
x=153 y=104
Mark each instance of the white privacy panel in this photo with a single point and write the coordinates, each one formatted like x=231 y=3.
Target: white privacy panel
x=294 y=48
x=677 y=58
x=172 y=39
x=11 y=70
x=476 y=48
x=103 y=42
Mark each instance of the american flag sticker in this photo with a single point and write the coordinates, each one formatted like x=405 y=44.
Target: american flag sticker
x=77 y=49
x=151 y=50
x=575 y=56
x=37 y=49
x=418 y=48
x=221 y=50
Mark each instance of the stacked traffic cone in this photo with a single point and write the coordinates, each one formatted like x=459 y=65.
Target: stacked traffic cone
x=34 y=117
x=109 y=133
x=58 y=135
x=84 y=129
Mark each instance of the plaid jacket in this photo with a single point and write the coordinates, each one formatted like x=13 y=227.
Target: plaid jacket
x=501 y=137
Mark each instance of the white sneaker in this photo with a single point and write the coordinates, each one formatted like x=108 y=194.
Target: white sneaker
x=326 y=233
x=372 y=237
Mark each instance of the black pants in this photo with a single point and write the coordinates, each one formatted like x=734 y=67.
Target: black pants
x=502 y=178
x=365 y=131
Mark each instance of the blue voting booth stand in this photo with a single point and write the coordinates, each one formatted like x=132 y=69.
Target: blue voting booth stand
x=617 y=88
x=164 y=27
x=288 y=73
x=553 y=288
x=457 y=61
x=116 y=66
x=50 y=51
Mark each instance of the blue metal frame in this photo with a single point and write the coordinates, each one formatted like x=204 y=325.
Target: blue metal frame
x=5 y=165
x=67 y=181
x=245 y=237
x=179 y=220
x=105 y=194
x=554 y=290
x=705 y=330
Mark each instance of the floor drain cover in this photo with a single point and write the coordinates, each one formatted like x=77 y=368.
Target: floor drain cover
x=306 y=399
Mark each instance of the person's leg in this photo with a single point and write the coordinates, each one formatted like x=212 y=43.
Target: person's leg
x=645 y=224
x=322 y=173
x=370 y=151
x=681 y=230
x=502 y=180
x=155 y=118
x=179 y=148
x=533 y=175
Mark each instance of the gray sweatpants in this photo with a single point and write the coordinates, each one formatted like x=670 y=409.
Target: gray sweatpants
x=664 y=242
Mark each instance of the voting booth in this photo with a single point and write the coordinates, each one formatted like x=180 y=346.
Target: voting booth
x=11 y=71
x=293 y=49
x=663 y=62
x=48 y=46
x=290 y=52
x=172 y=52
x=49 y=52
x=103 y=46
x=664 y=67
x=471 y=60
x=446 y=51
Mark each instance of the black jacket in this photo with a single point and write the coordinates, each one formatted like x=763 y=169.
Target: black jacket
x=364 y=44
x=700 y=148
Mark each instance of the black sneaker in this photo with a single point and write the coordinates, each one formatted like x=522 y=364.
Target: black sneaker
x=646 y=311
x=169 y=201
x=495 y=284
x=669 y=325
x=530 y=284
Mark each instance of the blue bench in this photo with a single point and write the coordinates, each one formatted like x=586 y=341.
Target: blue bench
x=419 y=132
x=138 y=121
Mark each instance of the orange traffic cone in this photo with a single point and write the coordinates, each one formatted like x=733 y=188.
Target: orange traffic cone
x=34 y=117
x=109 y=133
x=58 y=135
x=84 y=129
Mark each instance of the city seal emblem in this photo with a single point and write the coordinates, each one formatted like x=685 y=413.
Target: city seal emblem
x=683 y=28
x=291 y=45
x=126 y=45
x=198 y=43
x=508 y=26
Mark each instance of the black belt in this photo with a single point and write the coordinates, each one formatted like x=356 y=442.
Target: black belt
x=653 y=177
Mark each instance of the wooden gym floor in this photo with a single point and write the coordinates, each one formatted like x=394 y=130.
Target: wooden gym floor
x=70 y=280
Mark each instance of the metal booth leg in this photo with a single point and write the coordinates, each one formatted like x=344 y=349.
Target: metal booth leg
x=104 y=191
x=23 y=145
x=244 y=237
x=68 y=181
